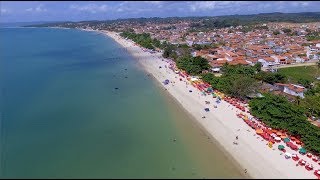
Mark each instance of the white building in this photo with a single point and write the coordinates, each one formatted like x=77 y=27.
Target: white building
x=292 y=89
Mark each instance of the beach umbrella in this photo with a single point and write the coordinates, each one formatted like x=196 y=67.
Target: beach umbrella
x=298 y=142
x=283 y=137
x=277 y=139
x=279 y=133
x=274 y=130
x=286 y=140
x=259 y=131
x=280 y=147
x=309 y=155
x=302 y=162
x=269 y=131
x=292 y=146
x=293 y=138
x=295 y=157
x=288 y=155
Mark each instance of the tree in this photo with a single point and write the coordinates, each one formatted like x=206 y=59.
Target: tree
x=193 y=65
x=243 y=86
x=297 y=100
x=312 y=104
x=286 y=30
x=277 y=112
x=318 y=65
x=305 y=82
x=258 y=66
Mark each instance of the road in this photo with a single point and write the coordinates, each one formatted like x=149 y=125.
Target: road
x=292 y=65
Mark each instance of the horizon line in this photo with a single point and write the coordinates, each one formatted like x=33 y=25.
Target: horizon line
x=56 y=21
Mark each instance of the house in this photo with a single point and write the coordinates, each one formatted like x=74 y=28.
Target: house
x=292 y=89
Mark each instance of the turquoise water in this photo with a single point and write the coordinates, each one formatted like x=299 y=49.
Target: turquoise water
x=63 y=118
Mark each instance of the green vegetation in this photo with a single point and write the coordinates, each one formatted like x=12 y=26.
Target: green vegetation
x=193 y=65
x=205 y=46
x=296 y=74
x=311 y=102
x=277 y=112
x=313 y=36
x=143 y=39
x=169 y=50
x=276 y=32
x=271 y=78
x=236 y=80
x=286 y=30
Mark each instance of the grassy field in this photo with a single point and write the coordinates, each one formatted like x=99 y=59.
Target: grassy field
x=302 y=72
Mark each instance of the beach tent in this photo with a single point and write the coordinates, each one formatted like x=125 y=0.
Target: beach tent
x=259 y=131
x=286 y=140
x=280 y=147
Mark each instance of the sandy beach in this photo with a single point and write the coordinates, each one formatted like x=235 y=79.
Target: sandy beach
x=251 y=153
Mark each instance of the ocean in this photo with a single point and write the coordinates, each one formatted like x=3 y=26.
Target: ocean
x=75 y=104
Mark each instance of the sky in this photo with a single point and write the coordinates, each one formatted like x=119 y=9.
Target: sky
x=20 y=11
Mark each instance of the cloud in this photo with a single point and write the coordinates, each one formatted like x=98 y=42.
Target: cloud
x=91 y=8
x=205 y=5
x=39 y=8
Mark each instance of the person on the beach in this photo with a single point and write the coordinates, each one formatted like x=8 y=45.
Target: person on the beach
x=245 y=171
x=236 y=137
x=235 y=143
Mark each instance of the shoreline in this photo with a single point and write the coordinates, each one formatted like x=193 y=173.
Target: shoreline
x=189 y=114
x=250 y=154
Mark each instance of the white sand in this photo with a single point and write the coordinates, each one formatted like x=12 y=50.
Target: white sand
x=222 y=123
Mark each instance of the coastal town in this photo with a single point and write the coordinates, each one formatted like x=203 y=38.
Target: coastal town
x=260 y=81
